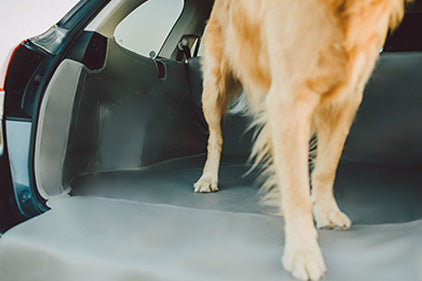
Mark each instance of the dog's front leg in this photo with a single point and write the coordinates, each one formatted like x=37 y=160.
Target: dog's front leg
x=331 y=134
x=289 y=116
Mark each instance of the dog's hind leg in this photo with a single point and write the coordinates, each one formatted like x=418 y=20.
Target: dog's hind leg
x=218 y=87
x=331 y=134
x=333 y=122
x=289 y=117
x=213 y=104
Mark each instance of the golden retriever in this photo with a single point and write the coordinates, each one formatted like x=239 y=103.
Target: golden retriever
x=303 y=65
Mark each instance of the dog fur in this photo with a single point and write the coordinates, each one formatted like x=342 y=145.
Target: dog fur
x=303 y=65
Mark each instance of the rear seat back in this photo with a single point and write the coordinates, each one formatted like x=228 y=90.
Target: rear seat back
x=387 y=129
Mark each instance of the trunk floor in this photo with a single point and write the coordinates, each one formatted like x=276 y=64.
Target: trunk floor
x=369 y=194
x=85 y=238
x=149 y=225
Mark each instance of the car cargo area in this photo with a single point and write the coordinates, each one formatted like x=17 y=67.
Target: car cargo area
x=131 y=134
x=117 y=152
x=135 y=133
x=134 y=146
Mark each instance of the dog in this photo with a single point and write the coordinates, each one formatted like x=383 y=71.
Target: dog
x=303 y=65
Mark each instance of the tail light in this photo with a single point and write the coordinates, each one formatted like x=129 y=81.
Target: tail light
x=3 y=71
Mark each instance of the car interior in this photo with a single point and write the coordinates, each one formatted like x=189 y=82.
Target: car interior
x=120 y=143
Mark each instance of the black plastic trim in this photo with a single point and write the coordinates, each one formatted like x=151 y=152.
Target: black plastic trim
x=161 y=69
x=22 y=68
x=90 y=49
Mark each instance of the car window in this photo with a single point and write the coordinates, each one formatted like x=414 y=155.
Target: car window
x=145 y=29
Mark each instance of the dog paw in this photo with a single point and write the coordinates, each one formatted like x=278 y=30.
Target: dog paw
x=206 y=184
x=331 y=219
x=305 y=263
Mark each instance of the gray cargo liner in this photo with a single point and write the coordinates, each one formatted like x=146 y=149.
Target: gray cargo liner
x=108 y=239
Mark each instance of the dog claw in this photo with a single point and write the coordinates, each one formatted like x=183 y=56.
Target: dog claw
x=206 y=184
x=332 y=219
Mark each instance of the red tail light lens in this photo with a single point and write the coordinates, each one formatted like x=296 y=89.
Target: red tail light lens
x=5 y=66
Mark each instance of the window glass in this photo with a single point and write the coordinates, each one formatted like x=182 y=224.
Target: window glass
x=145 y=29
